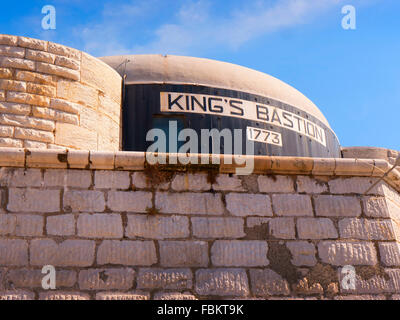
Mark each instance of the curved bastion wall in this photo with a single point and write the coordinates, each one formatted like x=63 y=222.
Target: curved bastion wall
x=52 y=96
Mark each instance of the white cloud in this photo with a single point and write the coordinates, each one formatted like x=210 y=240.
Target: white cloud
x=196 y=27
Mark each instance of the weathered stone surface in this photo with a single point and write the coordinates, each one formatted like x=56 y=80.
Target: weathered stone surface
x=191 y=182
x=33 y=77
x=224 y=182
x=32 y=134
x=133 y=295
x=357 y=185
x=39 y=56
x=17 y=295
x=9 y=51
x=67 y=178
x=131 y=253
x=7 y=224
x=13 y=252
x=379 y=207
x=60 y=116
x=337 y=206
x=20 y=177
x=266 y=282
x=100 y=226
x=243 y=204
x=32 y=43
x=64 y=51
x=157 y=227
x=70 y=135
x=222 y=282
x=106 y=279
x=340 y=253
x=84 y=201
x=314 y=228
x=29 y=225
x=178 y=279
x=303 y=253
x=307 y=184
x=63 y=295
x=237 y=253
x=183 y=253
x=292 y=205
x=111 y=180
x=365 y=229
x=58 y=71
x=129 y=201
x=15 y=108
x=390 y=253
x=28 y=98
x=275 y=184
x=218 y=227
x=79 y=253
x=32 y=278
x=174 y=296
x=33 y=200
x=282 y=228
x=141 y=181
x=189 y=203
x=61 y=225
x=28 y=122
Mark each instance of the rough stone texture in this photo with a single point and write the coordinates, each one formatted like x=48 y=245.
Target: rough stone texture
x=238 y=253
x=13 y=252
x=340 y=253
x=33 y=200
x=134 y=295
x=83 y=201
x=222 y=282
x=106 y=279
x=275 y=184
x=100 y=226
x=129 y=201
x=292 y=205
x=312 y=228
x=221 y=228
x=165 y=279
x=174 y=296
x=29 y=225
x=63 y=295
x=63 y=225
x=157 y=227
x=189 y=203
x=183 y=253
x=364 y=229
x=32 y=278
x=130 y=253
x=241 y=204
x=265 y=282
x=390 y=253
x=112 y=180
x=68 y=178
x=337 y=206
x=224 y=182
x=307 y=184
x=191 y=182
x=375 y=207
x=303 y=253
x=354 y=185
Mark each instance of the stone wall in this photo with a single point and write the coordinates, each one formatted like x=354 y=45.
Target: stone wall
x=116 y=228
x=52 y=96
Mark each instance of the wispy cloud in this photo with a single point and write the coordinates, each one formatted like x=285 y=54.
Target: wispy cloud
x=196 y=26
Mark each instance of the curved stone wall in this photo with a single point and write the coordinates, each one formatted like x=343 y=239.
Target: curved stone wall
x=52 y=96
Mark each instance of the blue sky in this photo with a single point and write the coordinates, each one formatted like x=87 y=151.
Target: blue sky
x=353 y=76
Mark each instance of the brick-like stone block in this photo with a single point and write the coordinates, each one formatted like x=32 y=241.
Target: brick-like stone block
x=360 y=297
x=62 y=225
x=63 y=295
x=282 y=228
x=356 y=185
x=218 y=227
x=106 y=279
x=129 y=201
x=191 y=182
x=174 y=296
x=390 y=253
x=303 y=253
x=275 y=184
x=33 y=200
x=189 y=203
x=365 y=229
x=224 y=182
x=337 y=206
x=141 y=181
x=340 y=253
x=32 y=278
x=17 y=295
x=84 y=201
x=132 y=295
x=26 y=178
x=112 y=179
x=316 y=228
x=131 y=253
x=222 y=282
x=7 y=224
x=237 y=253
x=178 y=279
x=13 y=252
x=100 y=225
x=79 y=253
x=266 y=282
x=29 y=225
x=243 y=204
x=183 y=253
x=67 y=178
x=157 y=227
x=306 y=184
x=292 y=205
x=379 y=207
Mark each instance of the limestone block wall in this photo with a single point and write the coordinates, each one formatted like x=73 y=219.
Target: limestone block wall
x=52 y=96
x=116 y=228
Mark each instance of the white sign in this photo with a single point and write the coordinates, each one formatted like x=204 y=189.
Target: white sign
x=264 y=136
x=249 y=110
